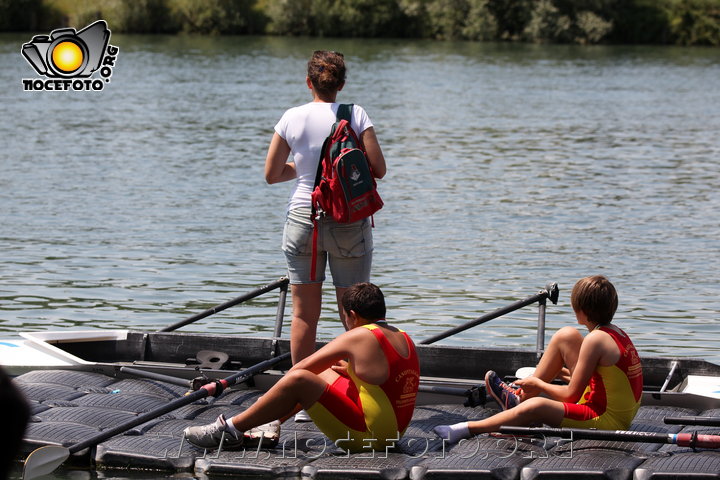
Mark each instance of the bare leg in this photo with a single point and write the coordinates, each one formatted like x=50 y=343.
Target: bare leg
x=307 y=301
x=562 y=351
x=537 y=409
x=339 y=291
x=298 y=386
x=560 y=358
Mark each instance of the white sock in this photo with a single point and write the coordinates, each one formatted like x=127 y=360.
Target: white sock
x=453 y=433
x=230 y=428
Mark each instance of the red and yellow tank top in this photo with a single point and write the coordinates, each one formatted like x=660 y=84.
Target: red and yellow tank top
x=616 y=390
x=389 y=407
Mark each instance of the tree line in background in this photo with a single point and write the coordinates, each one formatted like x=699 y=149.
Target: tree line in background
x=679 y=22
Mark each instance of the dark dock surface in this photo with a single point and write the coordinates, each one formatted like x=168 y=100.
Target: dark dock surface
x=70 y=406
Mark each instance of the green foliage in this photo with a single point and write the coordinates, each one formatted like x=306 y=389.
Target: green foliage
x=217 y=16
x=481 y=23
x=592 y=28
x=459 y=20
x=139 y=16
x=446 y=19
x=18 y=15
x=567 y=22
x=26 y=15
x=340 y=18
x=682 y=22
x=512 y=16
x=547 y=23
x=695 y=22
x=289 y=17
x=641 y=21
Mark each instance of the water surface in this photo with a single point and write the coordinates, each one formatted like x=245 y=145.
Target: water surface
x=509 y=166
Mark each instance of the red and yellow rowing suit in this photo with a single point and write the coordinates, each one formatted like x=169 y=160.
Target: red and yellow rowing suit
x=612 y=397
x=357 y=415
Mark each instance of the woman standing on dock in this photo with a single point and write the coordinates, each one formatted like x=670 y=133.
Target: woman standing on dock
x=346 y=247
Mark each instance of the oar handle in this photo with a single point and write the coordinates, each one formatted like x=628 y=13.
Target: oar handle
x=549 y=292
x=697 y=440
x=231 y=303
x=210 y=389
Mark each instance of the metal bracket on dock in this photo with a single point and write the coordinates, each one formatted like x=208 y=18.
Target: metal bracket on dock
x=551 y=292
x=673 y=366
x=279 y=318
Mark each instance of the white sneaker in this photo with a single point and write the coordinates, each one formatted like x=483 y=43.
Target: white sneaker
x=267 y=435
x=211 y=435
x=302 y=416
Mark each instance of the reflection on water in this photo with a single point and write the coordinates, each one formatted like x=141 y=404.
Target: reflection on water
x=509 y=166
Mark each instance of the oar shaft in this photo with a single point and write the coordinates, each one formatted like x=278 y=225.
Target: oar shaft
x=486 y=318
x=136 y=372
x=456 y=391
x=223 y=306
x=681 y=439
x=691 y=420
x=591 y=434
x=140 y=419
x=204 y=391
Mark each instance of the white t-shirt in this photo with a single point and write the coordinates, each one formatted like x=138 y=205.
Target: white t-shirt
x=305 y=128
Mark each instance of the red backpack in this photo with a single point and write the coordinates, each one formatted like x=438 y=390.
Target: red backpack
x=345 y=187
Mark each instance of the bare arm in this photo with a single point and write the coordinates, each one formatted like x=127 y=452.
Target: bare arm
x=591 y=351
x=359 y=347
x=374 y=152
x=277 y=168
x=342 y=347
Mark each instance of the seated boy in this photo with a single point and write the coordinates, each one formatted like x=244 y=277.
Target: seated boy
x=359 y=389
x=605 y=375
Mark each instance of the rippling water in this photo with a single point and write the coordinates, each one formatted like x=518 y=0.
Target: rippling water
x=509 y=166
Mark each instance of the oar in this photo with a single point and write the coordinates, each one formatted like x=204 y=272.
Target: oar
x=230 y=303
x=46 y=459
x=474 y=396
x=693 y=439
x=550 y=291
x=704 y=421
x=181 y=382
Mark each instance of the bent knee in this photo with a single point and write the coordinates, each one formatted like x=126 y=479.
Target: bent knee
x=533 y=403
x=567 y=334
x=301 y=376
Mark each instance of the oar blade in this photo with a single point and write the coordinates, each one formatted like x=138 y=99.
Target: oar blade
x=44 y=460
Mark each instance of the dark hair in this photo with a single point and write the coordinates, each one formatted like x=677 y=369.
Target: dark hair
x=326 y=71
x=596 y=297
x=366 y=299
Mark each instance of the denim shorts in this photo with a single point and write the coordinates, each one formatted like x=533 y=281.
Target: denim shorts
x=347 y=247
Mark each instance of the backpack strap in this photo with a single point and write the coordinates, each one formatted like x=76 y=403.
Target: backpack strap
x=313 y=255
x=344 y=112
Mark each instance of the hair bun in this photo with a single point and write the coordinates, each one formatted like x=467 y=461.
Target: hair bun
x=326 y=71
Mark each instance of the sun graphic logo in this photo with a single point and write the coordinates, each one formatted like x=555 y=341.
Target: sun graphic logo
x=69 y=58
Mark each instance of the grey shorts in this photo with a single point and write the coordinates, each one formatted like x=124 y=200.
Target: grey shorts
x=347 y=247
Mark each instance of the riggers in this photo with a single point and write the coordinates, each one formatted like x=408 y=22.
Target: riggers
x=345 y=187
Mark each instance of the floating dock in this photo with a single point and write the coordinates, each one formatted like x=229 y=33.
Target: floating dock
x=70 y=406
